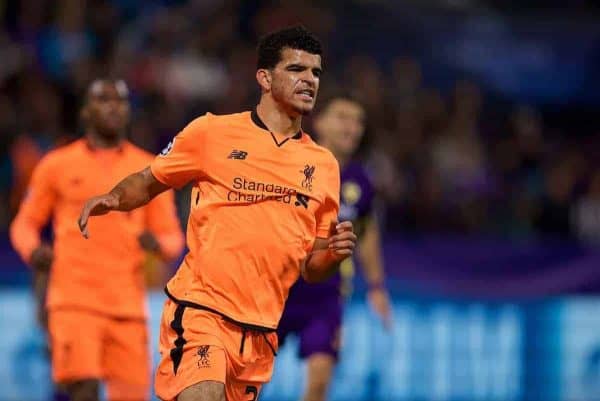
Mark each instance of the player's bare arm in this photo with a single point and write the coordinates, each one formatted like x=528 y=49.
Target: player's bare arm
x=133 y=192
x=369 y=254
x=327 y=253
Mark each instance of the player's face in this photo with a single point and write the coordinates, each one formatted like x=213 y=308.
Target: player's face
x=341 y=126
x=107 y=109
x=295 y=81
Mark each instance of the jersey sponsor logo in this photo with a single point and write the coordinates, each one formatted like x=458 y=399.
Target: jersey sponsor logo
x=245 y=190
x=203 y=354
x=308 y=172
x=238 y=155
x=168 y=148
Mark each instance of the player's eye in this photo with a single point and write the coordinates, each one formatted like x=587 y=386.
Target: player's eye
x=317 y=73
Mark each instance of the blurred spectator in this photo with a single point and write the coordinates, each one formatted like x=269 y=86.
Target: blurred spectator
x=364 y=77
x=585 y=215
x=425 y=209
x=67 y=40
x=553 y=215
x=12 y=56
x=458 y=155
x=406 y=79
x=434 y=113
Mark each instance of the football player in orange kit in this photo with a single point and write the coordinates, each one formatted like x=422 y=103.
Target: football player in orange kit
x=96 y=295
x=264 y=210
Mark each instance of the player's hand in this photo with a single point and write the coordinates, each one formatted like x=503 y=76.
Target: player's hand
x=379 y=300
x=40 y=287
x=148 y=242
x=96 y=206
x=41 y=258
x=342 y=240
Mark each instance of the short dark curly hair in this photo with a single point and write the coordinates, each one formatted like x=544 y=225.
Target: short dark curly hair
x=295 y=37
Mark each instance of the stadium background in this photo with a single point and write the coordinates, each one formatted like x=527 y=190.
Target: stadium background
x=483 y=141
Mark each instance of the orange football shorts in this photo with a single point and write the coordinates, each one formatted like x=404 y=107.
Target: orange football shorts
x=90 y=345
x=198 y=345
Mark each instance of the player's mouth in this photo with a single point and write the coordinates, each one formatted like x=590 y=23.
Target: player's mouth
x=114 y=119
x=306 y=94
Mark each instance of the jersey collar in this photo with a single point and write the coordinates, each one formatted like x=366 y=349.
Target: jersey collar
x=119 y=149
x=260 y=124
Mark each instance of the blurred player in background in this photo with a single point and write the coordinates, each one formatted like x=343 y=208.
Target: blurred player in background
x=263 y=210
x=314 y=311
x=96 y=293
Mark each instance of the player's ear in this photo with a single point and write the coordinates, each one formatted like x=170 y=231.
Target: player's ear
x=263 y=76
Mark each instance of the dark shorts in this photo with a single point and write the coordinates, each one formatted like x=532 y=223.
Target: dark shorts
x=316 y=322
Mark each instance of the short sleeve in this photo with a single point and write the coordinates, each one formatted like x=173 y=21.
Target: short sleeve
x=329 y=209
x=181 y=161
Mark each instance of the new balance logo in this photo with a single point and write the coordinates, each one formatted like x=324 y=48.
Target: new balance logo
x=168 y=148
x=302 y=200
x=237 y=155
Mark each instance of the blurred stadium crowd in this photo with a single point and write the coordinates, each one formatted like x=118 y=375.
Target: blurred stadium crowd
x=444 y=161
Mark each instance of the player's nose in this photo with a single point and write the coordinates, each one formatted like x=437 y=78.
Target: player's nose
x=113 y=103
x=309 y=78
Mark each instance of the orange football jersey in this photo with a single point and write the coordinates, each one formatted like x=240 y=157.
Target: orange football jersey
x=257 y=205
x=103 y=273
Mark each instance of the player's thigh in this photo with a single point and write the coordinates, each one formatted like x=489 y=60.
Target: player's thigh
x=75 y=345
x=126 y=360
x=189 y=356
x=240 y=390
x=203 y=391
x=319 y=373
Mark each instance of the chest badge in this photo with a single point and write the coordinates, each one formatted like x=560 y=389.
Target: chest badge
x=309 y=175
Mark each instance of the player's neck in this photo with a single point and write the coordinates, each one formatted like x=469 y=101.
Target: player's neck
x=97 y=141
x=276 y=119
